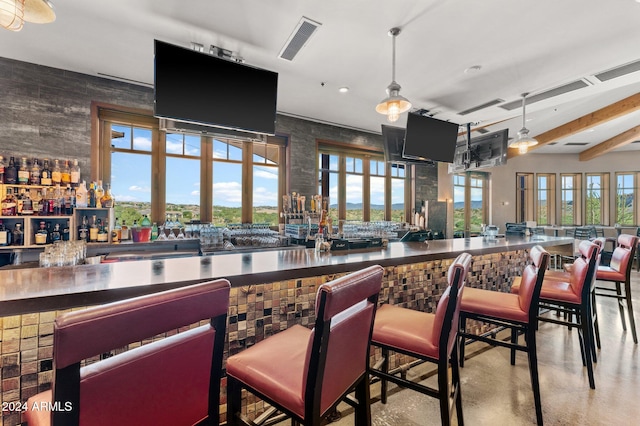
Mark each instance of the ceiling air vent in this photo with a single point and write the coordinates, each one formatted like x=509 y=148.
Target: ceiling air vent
x=483 y=106
x=298 y=38
x=635 y=142
x=576 y=143
x=618 y=71
x=560 y=90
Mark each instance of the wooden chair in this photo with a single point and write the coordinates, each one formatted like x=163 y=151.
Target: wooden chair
x=172 y=381
x=517 y=312
x=430 y=337
x=305 y=373
x=619 y=272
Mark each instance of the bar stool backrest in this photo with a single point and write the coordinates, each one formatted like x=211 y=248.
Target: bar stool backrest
x=584 y=267
x=531 y=282
x=623 y=254
x=338 y=348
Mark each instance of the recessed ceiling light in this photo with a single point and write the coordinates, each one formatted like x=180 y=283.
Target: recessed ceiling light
x=472 y=70
x=343 y=89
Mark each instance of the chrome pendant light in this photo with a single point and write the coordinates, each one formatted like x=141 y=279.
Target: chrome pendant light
x=394 y=104
x=523 y=141
x=14 y=13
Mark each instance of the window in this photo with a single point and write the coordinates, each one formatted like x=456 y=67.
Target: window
x=596 y=199
x=570 y=192
x=359 y=184
x=195 y=177
x=469 y=195
x=546 y=199
x=524 y=197
x=626 y=188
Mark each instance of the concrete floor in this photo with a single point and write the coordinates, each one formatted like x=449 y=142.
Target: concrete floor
x=496 y=393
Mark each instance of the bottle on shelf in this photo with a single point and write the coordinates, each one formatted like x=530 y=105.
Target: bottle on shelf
x=49 y=230
x=9 y=204
x=11 y=172
x=117 y=229
x=41 y=235
x=83 y=230
x=66 y=232
x=2 y=167
x=93 y=230
x=45 y=173
x=35 y=178
x=68 y=208
x=124 y=231
x=58 y=201
x=145 y=223
x=56 y=234
x=65 y=174
x=23 y=172
x=75 y=174
x=81 y=195
x=103 y=236
x=27 y=204
x=18 y=235
x=56 y=173
x=154 y=231
x=99 y=189
x=19 y=200
x=107 y=200
x=5 y=235
x=91 y=196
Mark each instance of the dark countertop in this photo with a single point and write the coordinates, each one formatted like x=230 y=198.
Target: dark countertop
x=44 y=289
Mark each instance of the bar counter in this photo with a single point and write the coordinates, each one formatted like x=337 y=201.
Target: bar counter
x=271 y=291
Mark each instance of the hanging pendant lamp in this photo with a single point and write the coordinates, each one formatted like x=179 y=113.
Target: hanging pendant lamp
x=394 y=104
x=14 y=13
x=523 y=141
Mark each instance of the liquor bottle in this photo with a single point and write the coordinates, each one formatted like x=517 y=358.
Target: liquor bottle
x=91 y=195
x=19 y=200
x=35 y=177
x=65 y=174
x=56 y=234
x=49 y=230
x=56 y=173
x=9 y=204
x=41 y=235
x=45 y=174
x=27 y=204
x=145 y=223
x=107 y=199
x=5 y=235
x=18 y=235
x=2 y=166
x=83 y=230
x=118 y=231
x=103 y=236
x=99 y=194
x=66 y=232
x=67 y=201
x=75 y=174
x=124 y=231
x=58 y=201
x=11 y=173
x=81 y=195
x=93 y=230
x=23 y=172
x=154 y=231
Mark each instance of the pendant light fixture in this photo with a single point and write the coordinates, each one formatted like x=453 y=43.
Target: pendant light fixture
x=14 y=13
x=394 y=104
x=523 y=141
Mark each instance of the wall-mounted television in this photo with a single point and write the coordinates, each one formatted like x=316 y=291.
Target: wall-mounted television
x=195 y=87
x=393 y=142
x=488 y=150
x=428 y=138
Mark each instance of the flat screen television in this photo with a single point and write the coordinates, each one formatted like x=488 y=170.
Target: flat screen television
x=194 y=87
x=488 y=150
x=393 y=141
x=428 y=138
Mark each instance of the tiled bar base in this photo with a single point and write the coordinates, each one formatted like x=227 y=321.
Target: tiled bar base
x=255 y=312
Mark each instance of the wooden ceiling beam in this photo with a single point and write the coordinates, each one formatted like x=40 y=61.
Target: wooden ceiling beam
x=617 y=141
x=610 y=112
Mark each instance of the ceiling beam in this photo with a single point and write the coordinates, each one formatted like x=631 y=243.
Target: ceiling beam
x=610 y=112
x=617 y=141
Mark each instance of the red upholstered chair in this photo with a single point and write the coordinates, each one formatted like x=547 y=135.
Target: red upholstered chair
x=517 y=312
x=172 y=381
x=619 y=272
x=306 y=373
x=426 y=336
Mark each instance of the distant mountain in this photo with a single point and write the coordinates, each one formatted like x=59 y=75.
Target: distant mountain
x=358 y=206
x=474 y=204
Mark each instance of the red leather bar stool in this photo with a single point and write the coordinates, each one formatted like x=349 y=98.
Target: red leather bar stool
x=428 y=337
x=518 y=312
x=572 y=293
x=619 y=272
x=306 y=373
x=172 y=381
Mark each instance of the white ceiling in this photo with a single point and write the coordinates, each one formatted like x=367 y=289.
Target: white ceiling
x=521 y=45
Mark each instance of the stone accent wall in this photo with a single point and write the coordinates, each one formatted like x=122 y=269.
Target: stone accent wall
x=255 y=313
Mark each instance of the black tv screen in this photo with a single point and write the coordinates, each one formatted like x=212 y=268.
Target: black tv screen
x=194 y=87
x=427 y=138
x=393 y=141
x=488 y=150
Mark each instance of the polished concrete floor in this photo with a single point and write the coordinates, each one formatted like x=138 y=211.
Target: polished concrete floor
x=496 y=393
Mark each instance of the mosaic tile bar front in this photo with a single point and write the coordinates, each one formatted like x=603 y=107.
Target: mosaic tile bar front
x=255 y=312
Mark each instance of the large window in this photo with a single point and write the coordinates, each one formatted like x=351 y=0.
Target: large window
x=354 y=190
x=626 y=193
x=596 y=199
x=398 y=193
x=546 y=198
x=469 y=203
x=188 y=176
x=524 y=197
x=376 y=185
x=570 y=191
